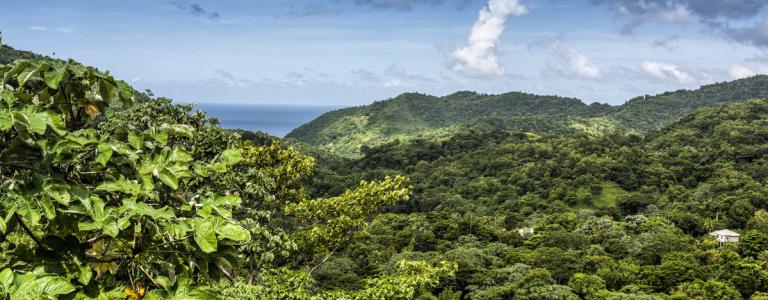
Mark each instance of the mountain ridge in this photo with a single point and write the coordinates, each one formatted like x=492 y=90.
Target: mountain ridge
x=415 y=115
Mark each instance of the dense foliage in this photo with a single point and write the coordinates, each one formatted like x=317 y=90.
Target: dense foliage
x=103 y=197
x=616 y=216
x=109 y=193
x=414 y=116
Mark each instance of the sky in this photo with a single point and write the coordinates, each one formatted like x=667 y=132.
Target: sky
x=354 y=52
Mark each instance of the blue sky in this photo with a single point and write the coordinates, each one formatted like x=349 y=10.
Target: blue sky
x=349 y=52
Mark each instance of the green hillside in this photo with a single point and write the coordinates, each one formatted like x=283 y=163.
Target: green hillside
x=417 y=115
x=648 y=112
x=627 y=215
x=8 y=54
x=410 y=116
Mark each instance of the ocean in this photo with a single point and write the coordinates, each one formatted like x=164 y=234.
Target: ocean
x=275 y=119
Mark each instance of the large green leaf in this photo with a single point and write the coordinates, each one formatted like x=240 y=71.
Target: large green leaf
x=7 y=218
x=169 y=179
x=233 y=232
x=122 y=185
x=6 y=279
x=49 y=210
x=54 y=78
x=6 y=121
x=104 y=153
x=178 y=130
x=85 y=274
x=43 y=287
x=142 y=209
x=205 y=237
x=231 y=156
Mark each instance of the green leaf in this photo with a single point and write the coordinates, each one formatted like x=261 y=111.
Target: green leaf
x=43 y=287
x=53 y=79
x=121 y=185
x=135 y=141
x=142 y=209
x=18 y=67
x=6 y=279
x=6 y=121
x=85 y=274
x=28 y=210
x=54 y=285
x=155 y=295
x=36 y=122
x=4 y=221
x=56 y=123
x=161 y=137
x=179 y=156
x=26 y=74
x=178 y=130
x=231 y=156
x=48 y=208
x=169 y=179
x=114 y=294
x=111 y=229
x=164 y=282
x=228 y=200
x=88 y=226
x=205 y=237
x=58 y=192
x=233 y=232
x=105 y=153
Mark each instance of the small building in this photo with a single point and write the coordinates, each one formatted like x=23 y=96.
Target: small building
x=726 y=236
x=525 y=231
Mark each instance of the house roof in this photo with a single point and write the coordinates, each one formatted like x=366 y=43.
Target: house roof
x=725 y=232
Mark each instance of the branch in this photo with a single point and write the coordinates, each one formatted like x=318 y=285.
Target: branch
x=226 y=273
x=148 y=276
x=169 y=242
x=328 y=256
x=30 y=233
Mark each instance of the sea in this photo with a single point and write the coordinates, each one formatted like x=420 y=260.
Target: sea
x=275 y=119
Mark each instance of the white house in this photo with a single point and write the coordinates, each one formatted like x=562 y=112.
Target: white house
x=726 y=236
x=525 y=231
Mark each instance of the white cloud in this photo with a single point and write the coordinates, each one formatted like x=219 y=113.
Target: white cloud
x=398 y=72
x=479 y=57
x=669 y=73
x=45 y=28
x=65 y=29
x=739 y=71
x=573 y=63
x=226 y=78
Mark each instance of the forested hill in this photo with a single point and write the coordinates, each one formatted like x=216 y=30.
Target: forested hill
x=411 y=115
x=615 y=216
x=8 y=54
x=418 y=115
x=648 y=112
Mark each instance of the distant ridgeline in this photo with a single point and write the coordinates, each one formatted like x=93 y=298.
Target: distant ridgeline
x=413 y=115
x=8 y=54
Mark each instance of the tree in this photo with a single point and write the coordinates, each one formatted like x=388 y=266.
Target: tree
x=105 y=198
x=97 y=206
x=704 y=290
x=586 y=286
x=752 y=243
